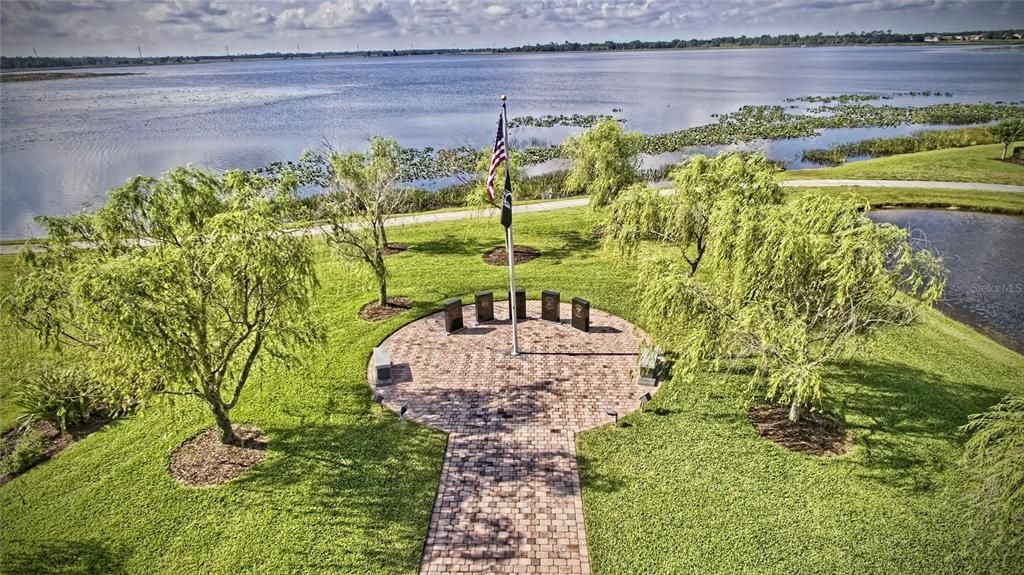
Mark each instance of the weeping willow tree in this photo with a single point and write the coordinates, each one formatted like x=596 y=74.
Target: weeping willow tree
x=705 y=189
x=787 y=288
x=994 y=458
x=605 y=161
x=364 y=194
x=182 y=283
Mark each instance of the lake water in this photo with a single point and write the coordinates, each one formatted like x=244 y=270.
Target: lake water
x=984 y=254
x=66 y=142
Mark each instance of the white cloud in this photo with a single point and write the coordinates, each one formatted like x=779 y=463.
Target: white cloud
x=350 y=15
x=176 y=26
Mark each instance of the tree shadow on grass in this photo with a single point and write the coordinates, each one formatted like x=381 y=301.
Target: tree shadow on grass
x=64 y=557
x=575 y=244
x=451 y=245
x=373 y=477
x=902 y=416
x=593 y=479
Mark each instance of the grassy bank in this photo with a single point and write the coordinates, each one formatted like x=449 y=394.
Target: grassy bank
x=920 y=141
x=689 y=486
x=973 y=164
x=686 y=487
x=977 y=201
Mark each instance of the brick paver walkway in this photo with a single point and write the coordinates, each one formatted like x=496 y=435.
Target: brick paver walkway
x=509 y=497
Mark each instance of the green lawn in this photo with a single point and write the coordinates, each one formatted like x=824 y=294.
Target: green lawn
x=686 y=487
x=344 y=489
x=690 y=487
x=974 y=164
x=979 y=201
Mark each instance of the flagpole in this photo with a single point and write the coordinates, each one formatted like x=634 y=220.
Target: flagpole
x=509 y=247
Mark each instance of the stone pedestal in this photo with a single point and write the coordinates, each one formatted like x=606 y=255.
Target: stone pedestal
x=382 y=365
x=520 y=305
x=549 y=303
x=484 y=306
x=453 y=315
x=649 y=366
x=581 y=314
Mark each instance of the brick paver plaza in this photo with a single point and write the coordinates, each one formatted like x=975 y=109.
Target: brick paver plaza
x=509 y=497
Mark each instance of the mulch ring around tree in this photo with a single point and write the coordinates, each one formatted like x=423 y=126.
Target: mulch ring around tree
x=499 y=257
x=815 y=433
x=204 y=461
x=393 y=249
x=376 y=312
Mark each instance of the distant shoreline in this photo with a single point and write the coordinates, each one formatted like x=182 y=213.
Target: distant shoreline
x=41 y=76
x=379 y=54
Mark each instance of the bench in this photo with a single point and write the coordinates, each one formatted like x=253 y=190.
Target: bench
x=649 y=366
x=382 y=365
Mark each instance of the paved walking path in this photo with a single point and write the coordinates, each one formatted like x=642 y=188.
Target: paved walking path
x=579 y=202
x=509 y=496
x=910 y=184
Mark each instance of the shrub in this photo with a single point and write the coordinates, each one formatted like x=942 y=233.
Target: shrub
x=920 y=141
x=26 y=452
x=66 y=398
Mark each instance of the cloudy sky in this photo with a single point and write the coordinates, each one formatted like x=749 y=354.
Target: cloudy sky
x=196 y=27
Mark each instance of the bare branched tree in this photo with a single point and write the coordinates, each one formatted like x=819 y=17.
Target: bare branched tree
x=364 y=194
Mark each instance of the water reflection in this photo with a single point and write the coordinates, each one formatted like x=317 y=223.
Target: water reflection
x=68 y=141
x=984 y=254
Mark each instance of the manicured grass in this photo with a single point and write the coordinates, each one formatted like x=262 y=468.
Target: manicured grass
x=690 y=487
x=979 y=201
x=686 y=487
x=344 y=488
x=973 y=164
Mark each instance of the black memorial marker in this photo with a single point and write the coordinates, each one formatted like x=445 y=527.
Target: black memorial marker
x=581 y=314
x=520 y=305
x=549 y=302
x=453 y=315
x=484 y=306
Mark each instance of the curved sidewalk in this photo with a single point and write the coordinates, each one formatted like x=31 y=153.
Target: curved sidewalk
x=909 y=184
x=579 y=202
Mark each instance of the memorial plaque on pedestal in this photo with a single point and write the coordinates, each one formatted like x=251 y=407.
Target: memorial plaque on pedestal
x=484 y=306
x=520 y=305
x=581 y=314
x=549 y=302
x=453 y=315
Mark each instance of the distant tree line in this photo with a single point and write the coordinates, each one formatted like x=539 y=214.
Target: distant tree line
x=819 y=39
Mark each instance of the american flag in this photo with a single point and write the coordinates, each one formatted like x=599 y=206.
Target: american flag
x=496 y=158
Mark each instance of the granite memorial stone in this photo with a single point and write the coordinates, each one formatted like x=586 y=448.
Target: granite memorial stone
x=453 y=315
x=581 y=314
x=520 y=305
x=549 y=304
x=484 y=306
